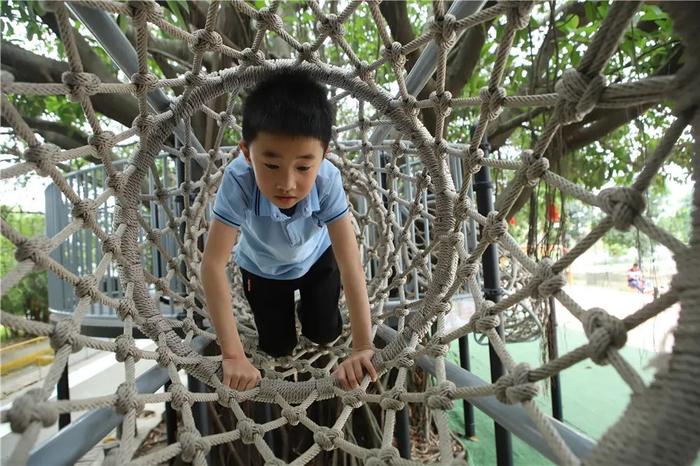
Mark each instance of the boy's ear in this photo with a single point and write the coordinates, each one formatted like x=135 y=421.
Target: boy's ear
x=245 y=150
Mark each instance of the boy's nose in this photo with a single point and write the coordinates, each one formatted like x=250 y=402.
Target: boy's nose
x=286 y=183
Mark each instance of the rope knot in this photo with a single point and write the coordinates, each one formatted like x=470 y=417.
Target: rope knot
x=494 y=228
x=127 y=399
x=178 y=395
x=291 y=415
x=395 y=55
x=112 y=245
x=391 y=399
x=126 y=308
x=306 y=53
x=31 y=407
x=164 y=356
x=518 y=13
x=250 y=57
x=80 y=85
x=126 y=348
x=249 y=430
x=192 y=444
x=154 y=236
x=535 y=167
x=545 y=282
x=623 y=204
x=144 y=82
x=578 y=95
x=483 y=320
x=34 y=249
x=325 y=437
x=103 y=142
x=442 y=102
x=270 y=19
x=443 y=30
x=85 y=210
x=468 y=269
x=492 y=101
x=43 y=156
x=86 y=287
x=156 y=325
x=353 y=398
x=331 y=26
x=436 y=349
x=145 y=10
x=205 y=41
x=514 y=387
x=473 y=159
x=604 y=332
x=226 y=395
x=144 y=124
x=66 y=332
x=382 y=456
x=441 y=396
x=226 y=120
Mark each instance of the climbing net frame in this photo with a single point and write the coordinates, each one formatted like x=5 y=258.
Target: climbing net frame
x=658 y=426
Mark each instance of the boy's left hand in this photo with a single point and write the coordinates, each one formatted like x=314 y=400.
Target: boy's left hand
x=351 y=371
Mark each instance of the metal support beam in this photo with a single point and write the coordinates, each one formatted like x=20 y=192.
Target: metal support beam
x=512 y=417
x=70 y=444
x=63 y=393
x=425 y=65
x=114 y=42
x=492 y=292
x=553 y=350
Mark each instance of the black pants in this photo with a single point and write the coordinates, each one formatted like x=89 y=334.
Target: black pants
x=272 y=303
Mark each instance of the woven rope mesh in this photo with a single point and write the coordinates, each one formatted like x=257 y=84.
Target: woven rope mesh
x=411 y=202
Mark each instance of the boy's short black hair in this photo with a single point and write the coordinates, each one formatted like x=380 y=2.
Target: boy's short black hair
x=288 y=102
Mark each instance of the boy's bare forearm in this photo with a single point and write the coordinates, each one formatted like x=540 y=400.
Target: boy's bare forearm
x=218 y=295
x=358 y=307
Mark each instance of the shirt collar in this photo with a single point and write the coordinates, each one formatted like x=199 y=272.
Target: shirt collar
x=262 y=207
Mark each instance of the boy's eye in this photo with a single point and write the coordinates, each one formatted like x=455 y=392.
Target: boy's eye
x=271 y=166
x=303 y=169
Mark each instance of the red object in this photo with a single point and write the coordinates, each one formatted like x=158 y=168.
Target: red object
x=511 y=221
x=553 y=212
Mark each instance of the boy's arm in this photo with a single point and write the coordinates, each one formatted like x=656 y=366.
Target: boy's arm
x=217 y=251
x=347 y=254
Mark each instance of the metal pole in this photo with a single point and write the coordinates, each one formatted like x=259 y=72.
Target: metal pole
x=170 y=419
x=403 y=440
x=469 y=425
x=492 y=291
x=63 y=393
x=464 y=357
x=553 y=349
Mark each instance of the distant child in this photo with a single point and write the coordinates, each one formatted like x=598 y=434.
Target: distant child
x=288 y=204
x=635 y=279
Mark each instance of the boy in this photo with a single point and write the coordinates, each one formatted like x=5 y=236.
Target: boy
x=288 y=204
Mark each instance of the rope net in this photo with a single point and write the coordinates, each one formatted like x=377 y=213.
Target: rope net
x=411 y=211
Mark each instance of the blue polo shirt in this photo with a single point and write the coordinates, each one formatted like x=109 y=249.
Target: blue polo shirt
x=271 y=244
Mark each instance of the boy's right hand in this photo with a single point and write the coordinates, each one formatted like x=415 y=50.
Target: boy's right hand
x=240 y=374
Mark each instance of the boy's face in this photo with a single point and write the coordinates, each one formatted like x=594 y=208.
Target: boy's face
x=285 y=166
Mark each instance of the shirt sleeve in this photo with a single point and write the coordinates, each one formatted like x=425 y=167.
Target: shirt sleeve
x=334 y=204
x=231 y=201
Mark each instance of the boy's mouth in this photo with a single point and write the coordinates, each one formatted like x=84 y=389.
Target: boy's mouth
x=285 y=199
